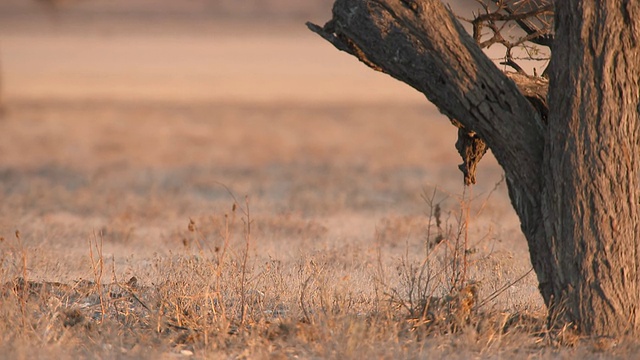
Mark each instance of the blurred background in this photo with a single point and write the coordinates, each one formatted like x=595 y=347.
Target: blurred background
x=202 y=50
x=192 y=50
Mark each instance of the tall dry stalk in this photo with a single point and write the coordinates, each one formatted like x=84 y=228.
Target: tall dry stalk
x=97 y=267
x=247 y=239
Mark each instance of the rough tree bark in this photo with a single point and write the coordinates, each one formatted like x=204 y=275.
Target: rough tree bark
x=592 y=191
x=573 y=180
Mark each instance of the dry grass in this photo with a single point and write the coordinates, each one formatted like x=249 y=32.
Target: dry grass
x=219 y=297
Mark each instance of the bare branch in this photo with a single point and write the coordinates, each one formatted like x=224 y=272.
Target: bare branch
x=533 y=17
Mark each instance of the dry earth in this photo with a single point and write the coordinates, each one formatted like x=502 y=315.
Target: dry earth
x=128 y=140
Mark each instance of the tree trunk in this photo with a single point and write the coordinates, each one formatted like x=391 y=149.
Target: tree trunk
x=591 y=163
x=573 y=182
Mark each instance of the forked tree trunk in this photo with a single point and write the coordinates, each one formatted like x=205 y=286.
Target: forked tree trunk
x=573 y=182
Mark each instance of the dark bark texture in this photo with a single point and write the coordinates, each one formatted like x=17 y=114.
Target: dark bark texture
x=591 y=163
x=570 y=165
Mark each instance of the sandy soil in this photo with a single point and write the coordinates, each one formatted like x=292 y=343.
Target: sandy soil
x=127 y=135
